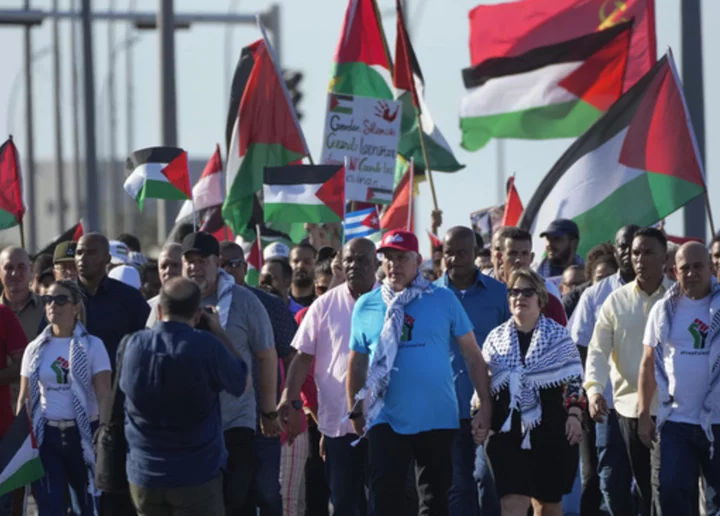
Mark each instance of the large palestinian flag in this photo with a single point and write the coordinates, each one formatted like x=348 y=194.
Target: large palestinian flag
x=12 y=209
x=261 y=132
x=636 y=165
x=304 y=193
x=410 y=85
x=513 y=28
x=555 y=91
x=158 y=173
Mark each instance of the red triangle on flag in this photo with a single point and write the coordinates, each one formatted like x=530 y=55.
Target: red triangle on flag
x=333 y=102
x=372 y=221
x=79 y=232
x=396 y=215
x=255 y=257
x=434 y=240
x=332 y=192
x=513 y=206
x=178 y=174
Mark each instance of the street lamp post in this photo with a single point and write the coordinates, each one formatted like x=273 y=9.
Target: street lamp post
x=166 y=24
x=59 y=164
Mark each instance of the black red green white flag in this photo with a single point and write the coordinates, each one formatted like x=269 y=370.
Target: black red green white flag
x=158 y=173
x=636 y=165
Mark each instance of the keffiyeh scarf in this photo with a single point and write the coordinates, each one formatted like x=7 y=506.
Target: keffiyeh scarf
x=551 y=360
x=668 y=305
x=224 y=296
x=80 y=385
x=383 y=358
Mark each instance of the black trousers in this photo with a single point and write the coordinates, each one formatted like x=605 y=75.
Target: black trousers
x=390 y=455
x=644 y=464
x=317 y=492
x=240 y=470
x=591 y=497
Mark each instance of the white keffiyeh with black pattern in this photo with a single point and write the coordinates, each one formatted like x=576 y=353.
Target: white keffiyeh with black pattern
x=552 y=359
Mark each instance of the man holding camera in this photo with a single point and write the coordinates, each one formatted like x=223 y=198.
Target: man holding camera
x=172 y=376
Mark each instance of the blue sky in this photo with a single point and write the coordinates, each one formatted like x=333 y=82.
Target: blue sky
x=311 y=28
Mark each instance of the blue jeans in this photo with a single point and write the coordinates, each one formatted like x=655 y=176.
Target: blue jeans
x=463 y=495
x=614 y=467
x=266 y=488
x=486 y=492
x=62 y=457
x=345 y=468
x=684 y=451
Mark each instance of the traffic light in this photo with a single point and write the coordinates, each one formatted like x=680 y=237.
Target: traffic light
x=292 y=80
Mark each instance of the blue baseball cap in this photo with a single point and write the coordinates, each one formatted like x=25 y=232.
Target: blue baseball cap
x=560 y=227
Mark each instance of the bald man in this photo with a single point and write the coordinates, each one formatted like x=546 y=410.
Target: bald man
x=485 y=302
x=169 y=267
x=16 y=275
x=681 y=361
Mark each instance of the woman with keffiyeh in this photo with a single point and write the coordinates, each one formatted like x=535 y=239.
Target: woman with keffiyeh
x=64 y=376
x=538 y=402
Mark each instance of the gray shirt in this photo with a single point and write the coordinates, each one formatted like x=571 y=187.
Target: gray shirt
x=250 y=331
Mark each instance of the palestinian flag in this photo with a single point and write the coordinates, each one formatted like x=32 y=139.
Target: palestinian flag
x=69 y=235
x=158 y=173
x=261 y=131
x=20 y=462
x=304 y=193
x=556 y=91
x=362 y=60
x=636 y=165
x=12 y=209
x=79 y=232
x=262 y=237
x=513 y=205
x=409 y=89
x=511 y=29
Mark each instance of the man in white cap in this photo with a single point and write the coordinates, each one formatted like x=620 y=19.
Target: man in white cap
x=119 y=254
x=276 y=250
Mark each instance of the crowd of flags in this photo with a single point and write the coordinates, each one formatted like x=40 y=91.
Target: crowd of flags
x=532 y=75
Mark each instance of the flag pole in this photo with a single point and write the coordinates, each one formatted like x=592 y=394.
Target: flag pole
x=258 y=241
x=21 y=226
x=345 y=164
x=194 y=215
x=274 y=59
x=411 y=180
x=709 y=212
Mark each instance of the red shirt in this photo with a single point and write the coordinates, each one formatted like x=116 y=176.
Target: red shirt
x=308 y=393
x=12 y=340
x=554 y=310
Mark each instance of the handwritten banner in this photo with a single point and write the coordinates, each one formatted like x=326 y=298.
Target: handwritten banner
x=366 y=131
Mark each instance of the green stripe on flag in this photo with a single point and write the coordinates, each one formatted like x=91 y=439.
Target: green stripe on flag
x=159 y=190
x=564 y=120
x=311 y=213
x=26 y=474
x=359 y=79
x=7 y=220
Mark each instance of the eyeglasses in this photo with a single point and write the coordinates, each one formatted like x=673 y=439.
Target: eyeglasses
x=233 y=263
x=60 y=299
x=524 y=292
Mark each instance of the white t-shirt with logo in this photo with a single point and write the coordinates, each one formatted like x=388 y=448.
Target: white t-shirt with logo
x=686 y=357
x=55 y=393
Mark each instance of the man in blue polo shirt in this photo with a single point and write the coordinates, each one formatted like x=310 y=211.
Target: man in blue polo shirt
x=172 y=376
x=485 y=302
x=407 y=384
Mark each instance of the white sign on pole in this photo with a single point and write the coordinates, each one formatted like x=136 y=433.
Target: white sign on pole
x=366 y=131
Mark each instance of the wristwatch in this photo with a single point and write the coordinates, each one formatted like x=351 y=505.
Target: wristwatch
x=296 y=404
x=270 y=416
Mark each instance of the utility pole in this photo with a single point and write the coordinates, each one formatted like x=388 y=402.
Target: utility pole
x=130 y=208
x=77 y=173
x=111 y=181
x=92 y=206
x=692 y=78
x=168 y=105
x=29 y=136
x=59 y=164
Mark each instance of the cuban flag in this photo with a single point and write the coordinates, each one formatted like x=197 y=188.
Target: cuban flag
x=361 y=224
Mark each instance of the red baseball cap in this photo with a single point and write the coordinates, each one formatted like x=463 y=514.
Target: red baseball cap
x=399 y=240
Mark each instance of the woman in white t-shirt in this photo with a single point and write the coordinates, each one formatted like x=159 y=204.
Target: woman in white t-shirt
x=65 y=374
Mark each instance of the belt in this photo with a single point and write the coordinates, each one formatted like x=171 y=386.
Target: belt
x=64 y=424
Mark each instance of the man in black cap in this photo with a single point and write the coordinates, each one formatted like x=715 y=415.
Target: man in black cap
x=248 y=325
x=561 y=242
x=64 y=261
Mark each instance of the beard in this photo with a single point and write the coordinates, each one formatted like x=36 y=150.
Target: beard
x=303 y=281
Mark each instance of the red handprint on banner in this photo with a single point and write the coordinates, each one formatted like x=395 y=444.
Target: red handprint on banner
x=382 y=110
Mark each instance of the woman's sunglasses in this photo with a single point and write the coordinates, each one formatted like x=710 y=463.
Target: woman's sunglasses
x=60 y=299
x=524 y=292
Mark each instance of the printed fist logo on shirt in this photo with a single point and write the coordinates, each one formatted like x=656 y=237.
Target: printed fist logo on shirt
x=408 y=325
x=699 y=332
x=61 y=367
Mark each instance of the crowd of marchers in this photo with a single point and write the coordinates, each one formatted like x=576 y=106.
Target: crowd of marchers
x=364 y=380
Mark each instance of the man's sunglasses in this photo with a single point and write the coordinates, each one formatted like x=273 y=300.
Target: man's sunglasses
x=524 y=292
x=233 y=263
x=60 y=299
